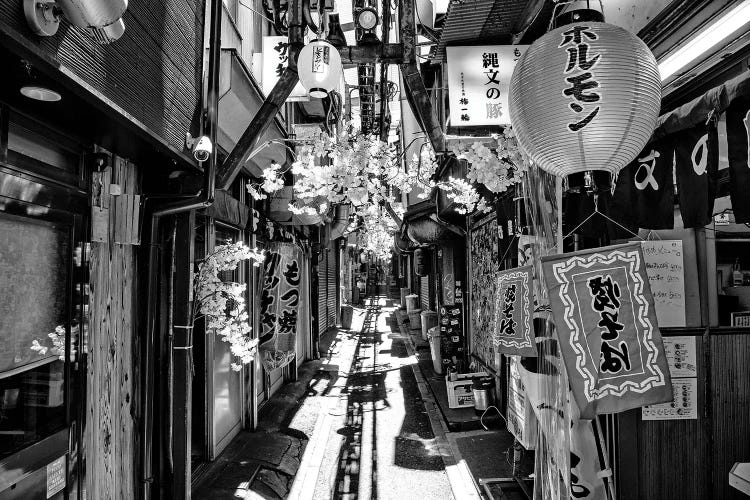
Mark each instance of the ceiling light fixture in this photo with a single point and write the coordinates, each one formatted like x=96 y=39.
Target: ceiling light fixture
x=34 y=90
x=705 y=40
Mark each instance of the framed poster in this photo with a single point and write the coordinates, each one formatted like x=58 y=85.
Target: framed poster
x=741 y=318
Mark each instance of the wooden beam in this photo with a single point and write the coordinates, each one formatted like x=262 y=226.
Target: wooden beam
x=388 y=53
x=228 y=170
x=419 y=98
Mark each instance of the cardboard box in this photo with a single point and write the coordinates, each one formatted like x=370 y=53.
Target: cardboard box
x=459 y=390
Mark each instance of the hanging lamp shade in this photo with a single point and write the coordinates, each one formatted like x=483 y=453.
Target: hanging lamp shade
x=585 y=96
x=319 y=68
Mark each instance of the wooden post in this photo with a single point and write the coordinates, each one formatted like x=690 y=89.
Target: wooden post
x=181 y=335
x=110 y=427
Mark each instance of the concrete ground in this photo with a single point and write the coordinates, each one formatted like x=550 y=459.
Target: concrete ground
x=354 y=425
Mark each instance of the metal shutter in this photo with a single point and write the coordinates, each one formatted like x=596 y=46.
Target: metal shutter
x=424 y=292
x=332 y=296
x=322 y=289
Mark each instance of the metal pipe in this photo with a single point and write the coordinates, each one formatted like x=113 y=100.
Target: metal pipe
x=204 y=198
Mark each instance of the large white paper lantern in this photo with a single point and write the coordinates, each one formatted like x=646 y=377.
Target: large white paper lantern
x=319 y=68
x=585 y=96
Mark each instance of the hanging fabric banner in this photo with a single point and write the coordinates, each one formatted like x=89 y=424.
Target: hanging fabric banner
x=280 y=300
x=738 y=137
x=514 y=334
x=606 y=323
x=644 y=195
x=697 y=164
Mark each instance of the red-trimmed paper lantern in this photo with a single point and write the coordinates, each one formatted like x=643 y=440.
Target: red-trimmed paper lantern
x=585 y=96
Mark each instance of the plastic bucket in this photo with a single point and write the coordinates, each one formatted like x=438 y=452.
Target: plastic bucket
x=429 y=319
x=404 y=293
x=412 y=302
x=482 y=390
x=415 y=320
x=347 y=313
x=437 y=358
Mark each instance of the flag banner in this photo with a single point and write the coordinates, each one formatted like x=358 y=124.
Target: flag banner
x=514 y=334
x=738 y=138
x=280 y=300
x=697 y=164
x=644 y=193
x=606 y=324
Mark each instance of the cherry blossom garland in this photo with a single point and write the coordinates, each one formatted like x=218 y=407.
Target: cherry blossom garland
x=223 y=303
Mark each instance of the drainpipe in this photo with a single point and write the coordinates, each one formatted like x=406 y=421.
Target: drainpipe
x=202 y=199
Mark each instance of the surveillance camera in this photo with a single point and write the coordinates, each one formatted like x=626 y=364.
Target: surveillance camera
x=203 y=148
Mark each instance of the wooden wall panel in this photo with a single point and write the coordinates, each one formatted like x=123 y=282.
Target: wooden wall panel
x=110 y=428
x=730 y=389
x=153 y=72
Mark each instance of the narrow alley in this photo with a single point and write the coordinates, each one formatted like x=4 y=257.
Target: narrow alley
x=369 y=432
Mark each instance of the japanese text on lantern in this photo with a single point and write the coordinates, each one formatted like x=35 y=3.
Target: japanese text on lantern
x=507 y=325
x=605 y=300
x=290 y=299
x=581 y=79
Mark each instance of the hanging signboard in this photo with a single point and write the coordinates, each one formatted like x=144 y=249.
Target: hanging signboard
x=478 y=81
x=280 y=301
x=275 y=59
x=666 y=275
x=609 y=337
x=513 y=312
x=521 y=420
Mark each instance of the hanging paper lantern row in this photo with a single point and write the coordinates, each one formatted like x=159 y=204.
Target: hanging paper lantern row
x=585 y=96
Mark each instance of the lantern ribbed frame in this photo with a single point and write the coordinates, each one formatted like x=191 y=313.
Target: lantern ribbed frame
x=319 y=84
x=630 y=90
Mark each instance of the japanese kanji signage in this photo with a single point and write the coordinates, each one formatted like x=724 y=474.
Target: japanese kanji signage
x=275 y=59
x=580 y=75
x=514 y=333
x=478 y=80
x=606 y=324
x=279 y=302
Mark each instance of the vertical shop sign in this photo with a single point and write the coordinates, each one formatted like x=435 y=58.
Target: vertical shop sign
x=275 y=60
x=478 y=81
x=513 y=312
x=609 y=337
x=280 y=301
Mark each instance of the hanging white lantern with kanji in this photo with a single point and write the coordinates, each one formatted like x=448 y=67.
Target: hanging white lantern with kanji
x=585 y=96
x=319 y=68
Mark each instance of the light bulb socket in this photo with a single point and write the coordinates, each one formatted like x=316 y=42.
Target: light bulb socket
x=318 y=93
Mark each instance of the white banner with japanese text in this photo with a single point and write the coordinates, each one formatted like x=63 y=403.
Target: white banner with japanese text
x=275 y=60
x=478 y=82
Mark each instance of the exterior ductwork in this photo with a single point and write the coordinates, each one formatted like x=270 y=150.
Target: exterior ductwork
x=93 y=13
x=340 y=221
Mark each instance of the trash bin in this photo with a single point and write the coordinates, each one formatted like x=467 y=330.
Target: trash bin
x=404 y=293
x=412 y=302
x=347 y=313
x=429 y=319
x=482 y=390
x=437 y=358
x=415 y=320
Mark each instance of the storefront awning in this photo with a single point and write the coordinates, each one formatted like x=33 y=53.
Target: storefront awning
x=239 y=101
x=699 y=109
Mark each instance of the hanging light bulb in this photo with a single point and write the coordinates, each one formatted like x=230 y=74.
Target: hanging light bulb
x=319 y=67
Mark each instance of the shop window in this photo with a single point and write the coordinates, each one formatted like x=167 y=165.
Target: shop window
x=34 y=271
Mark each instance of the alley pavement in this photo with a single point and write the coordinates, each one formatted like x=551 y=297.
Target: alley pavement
x=353 y=426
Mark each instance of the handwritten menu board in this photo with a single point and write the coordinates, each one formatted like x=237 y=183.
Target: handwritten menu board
x=666 y=274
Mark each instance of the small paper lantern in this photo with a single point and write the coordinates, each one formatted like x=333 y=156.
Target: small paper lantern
x=319 y=68
x=585 y=96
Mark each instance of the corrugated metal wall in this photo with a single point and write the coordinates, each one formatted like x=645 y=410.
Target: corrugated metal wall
x=424 y=292
x=153 y=72
x=332 y=282
x=322 y=292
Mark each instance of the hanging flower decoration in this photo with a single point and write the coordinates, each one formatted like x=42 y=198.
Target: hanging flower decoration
x=377 y=230
x=57 y=339
x=222 y=303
